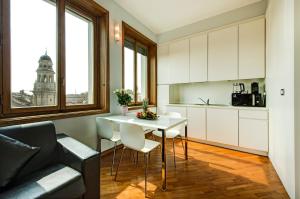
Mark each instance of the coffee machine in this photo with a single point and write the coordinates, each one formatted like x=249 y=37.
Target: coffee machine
x=240 y=97
x=257 y=98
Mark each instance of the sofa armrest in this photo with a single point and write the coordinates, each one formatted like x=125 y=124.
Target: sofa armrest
x=83 y=159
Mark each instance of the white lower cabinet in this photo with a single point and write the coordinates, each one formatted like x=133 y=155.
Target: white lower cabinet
x=247 y=130
x=222 y=126
x=254 y=130
x=196 y=122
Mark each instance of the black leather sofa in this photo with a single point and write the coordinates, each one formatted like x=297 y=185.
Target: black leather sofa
x=63 y=168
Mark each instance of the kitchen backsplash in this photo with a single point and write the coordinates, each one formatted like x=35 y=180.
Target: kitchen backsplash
x=217 y=92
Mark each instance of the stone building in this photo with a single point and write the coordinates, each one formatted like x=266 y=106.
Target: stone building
x=44 y=91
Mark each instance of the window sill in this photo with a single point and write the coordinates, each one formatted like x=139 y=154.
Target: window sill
x=139 y=107
x=45 y=117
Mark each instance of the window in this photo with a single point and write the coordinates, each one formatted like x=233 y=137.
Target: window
x=34 y=71
x=79 y=59
x=54 y=57
x=139 y=65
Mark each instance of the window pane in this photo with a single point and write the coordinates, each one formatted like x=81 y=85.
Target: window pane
x=33 y=53
x=141 y=74
x=79 y=60
x=128 y=68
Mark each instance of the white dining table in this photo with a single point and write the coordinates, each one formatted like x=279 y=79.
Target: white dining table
x=163 y=123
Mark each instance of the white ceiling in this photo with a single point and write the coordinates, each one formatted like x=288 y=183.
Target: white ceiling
x=164 y=15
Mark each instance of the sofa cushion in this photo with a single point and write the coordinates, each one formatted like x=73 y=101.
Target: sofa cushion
x=14 y=155
x=40 y=134
x=57 y=181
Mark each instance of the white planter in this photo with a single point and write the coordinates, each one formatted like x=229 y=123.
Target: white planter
x=124 y=110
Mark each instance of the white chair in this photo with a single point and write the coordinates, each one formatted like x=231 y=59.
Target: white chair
x=133 y=137
x=106 y=130
x=172 y=133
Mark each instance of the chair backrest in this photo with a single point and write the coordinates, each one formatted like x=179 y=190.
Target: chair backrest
x=175 y=115
x=105 y=128
x=132 y=136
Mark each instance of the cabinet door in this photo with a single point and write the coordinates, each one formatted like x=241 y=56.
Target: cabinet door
x=222 y=126
x=163 y=64
x=223 y=54
x=252 y=49
x=162 y=98
x=179 y=61
x=253 y=134
x=196 y=122
x=198 y=58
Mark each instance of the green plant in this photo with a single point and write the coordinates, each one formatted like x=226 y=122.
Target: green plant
x=145 y=104
x=124 y=96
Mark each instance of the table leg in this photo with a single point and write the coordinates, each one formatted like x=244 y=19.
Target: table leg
x=163 y=163
x=186 y=143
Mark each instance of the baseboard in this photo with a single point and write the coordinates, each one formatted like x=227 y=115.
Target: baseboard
x=236 y=148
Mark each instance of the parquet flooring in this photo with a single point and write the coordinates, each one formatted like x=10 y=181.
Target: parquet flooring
x=210 y=172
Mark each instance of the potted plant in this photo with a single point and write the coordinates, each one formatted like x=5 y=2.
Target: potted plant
x=124 y=98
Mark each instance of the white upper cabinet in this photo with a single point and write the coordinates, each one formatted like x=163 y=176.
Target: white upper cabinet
x=198 y=58
x=179 y=61
x=163 y=64
x=223 y=54
x=252 y=49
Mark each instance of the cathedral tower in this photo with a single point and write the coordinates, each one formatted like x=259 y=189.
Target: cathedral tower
x=44 y=92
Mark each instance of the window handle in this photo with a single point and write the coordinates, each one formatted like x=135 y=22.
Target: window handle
x=63 y=81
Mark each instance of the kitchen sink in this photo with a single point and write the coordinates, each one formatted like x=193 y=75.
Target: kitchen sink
x=211 y=104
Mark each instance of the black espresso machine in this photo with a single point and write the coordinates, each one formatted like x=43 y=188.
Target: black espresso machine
x=240 y=97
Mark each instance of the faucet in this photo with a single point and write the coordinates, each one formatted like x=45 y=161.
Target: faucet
x=205 y=102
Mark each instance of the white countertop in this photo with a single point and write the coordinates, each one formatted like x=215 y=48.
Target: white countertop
x=163 y=122
x=221 y=107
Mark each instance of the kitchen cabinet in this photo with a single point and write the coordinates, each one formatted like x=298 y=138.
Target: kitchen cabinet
x=254 y=130
x=223 y=54
x=196 y=122
x=222 y=126
x=252 y=49
x=198 y=58
x=179 y=61
x=163 y=64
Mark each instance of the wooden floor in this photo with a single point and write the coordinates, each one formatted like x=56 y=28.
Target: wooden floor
x=210 y=172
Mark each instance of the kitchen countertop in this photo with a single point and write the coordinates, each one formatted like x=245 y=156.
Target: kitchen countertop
x=221 y=106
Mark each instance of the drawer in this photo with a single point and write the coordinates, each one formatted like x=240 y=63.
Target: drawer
x=253 y=114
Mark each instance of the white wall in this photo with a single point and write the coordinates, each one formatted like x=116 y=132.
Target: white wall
x=280 y=75
x=297 y=94
x=246 y=12
x=83 y=128
x=217 y=92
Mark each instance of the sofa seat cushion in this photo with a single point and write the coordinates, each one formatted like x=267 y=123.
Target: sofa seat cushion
x=58 y=181
x=14 y=155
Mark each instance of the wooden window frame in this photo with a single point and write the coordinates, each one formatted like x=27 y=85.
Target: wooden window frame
x=141 y=40
x=100 y=18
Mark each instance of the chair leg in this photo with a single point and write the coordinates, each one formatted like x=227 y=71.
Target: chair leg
x=137 y=158
x=174 y=152
x=113 y=160
x=146 y=172
x=119 y=163
x=182 y=144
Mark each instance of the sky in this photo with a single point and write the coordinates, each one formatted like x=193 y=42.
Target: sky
x=33 y=31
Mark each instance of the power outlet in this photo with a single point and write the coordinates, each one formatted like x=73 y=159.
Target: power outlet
x=282 y=92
